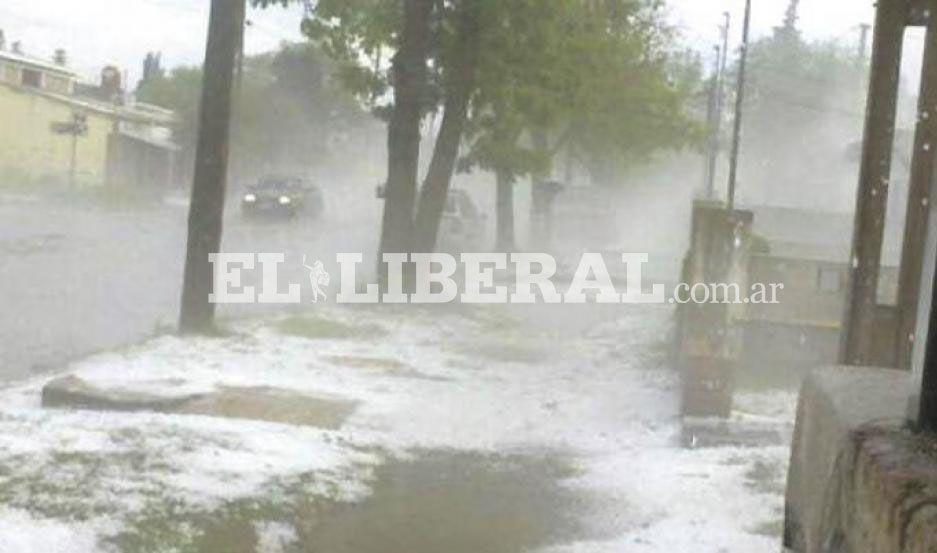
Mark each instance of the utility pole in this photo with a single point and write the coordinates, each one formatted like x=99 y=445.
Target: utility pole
x=73 y=164
x=225 y=30
x=709 y=173
x=720 y=105
x=739 y=103
x=716 y=136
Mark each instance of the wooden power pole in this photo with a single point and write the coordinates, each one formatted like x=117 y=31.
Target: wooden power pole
x=225 y=29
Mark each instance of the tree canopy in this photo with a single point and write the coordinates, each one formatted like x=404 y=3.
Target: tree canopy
x=291 y=112
x=516 y=81
x=804 y=107
x=599 y=77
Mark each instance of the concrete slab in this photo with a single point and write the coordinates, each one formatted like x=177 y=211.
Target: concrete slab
x=251 y=403
x=73 y=392
x=859 y=481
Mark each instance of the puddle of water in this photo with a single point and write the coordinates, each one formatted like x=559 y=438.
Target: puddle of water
x=456 y=502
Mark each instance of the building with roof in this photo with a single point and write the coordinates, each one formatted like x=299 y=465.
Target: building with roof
x=58 y=129
x=809 y=252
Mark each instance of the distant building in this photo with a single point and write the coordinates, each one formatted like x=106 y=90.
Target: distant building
x=56 y=127
x=809 y=252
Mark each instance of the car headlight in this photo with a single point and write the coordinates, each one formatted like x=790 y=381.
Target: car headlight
x=285 y=200
x=250 y=198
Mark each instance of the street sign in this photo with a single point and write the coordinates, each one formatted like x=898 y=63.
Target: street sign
x=78 y=126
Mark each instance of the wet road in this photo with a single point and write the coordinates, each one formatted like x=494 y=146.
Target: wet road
x=79 y=278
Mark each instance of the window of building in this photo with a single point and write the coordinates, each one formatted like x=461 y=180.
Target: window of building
x=32 y=78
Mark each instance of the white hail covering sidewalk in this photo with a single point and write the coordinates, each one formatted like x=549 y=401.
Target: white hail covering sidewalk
x=478 y=379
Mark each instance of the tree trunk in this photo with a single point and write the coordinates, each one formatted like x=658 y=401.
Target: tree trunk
x=539 y=195
x=505 y=212
x=226 y=25
x=459 y=89
x=403 y=134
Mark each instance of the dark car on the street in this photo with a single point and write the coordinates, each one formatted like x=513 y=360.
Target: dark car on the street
x=282 y=197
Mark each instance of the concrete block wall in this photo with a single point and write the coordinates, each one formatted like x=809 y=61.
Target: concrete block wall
x=859 y=481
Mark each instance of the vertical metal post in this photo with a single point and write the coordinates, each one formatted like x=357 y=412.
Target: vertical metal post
x=721 y=96
x=919 y=198
x=860 y=323
x=73 y=163
x=709 y=172
x=739 y=102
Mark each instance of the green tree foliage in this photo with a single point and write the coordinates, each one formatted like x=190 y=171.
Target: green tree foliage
x=812 y=76
x=540 y=76
x=598 y=78
x=290 y=111
x=804 y=107
x=592 y=73
x=359 y=36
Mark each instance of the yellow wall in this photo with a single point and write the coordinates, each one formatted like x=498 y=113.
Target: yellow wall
x=57 y=84
x=29 y=149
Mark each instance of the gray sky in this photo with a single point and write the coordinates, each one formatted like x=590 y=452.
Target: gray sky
x=121 y=32
x=819 y=19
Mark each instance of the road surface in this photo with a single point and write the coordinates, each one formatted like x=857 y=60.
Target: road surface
x=76 y=278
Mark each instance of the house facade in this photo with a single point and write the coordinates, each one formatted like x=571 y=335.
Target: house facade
x=58 y=130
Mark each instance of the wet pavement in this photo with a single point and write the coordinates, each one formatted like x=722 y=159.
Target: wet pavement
x=461 y=502
x=77 y=278
x=433 y=501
